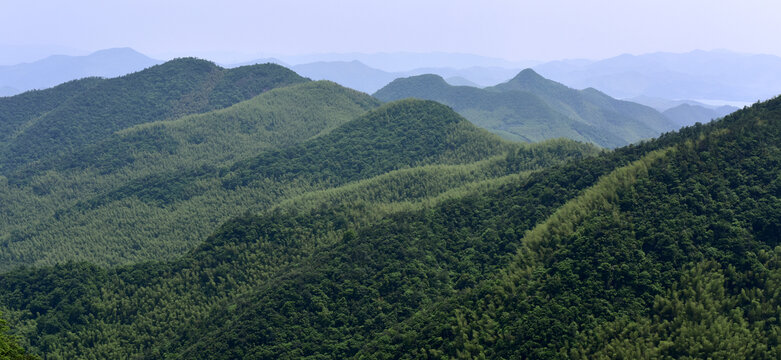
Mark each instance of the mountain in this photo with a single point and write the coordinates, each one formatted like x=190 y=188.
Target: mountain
x=406 y=61
x=686 y=114
x=166 y=91
x=532 y=108
x=716 y=75
x=17 y=54
x=57 y=69
x=161 y=178
x=661 y=104
x=270 y=60
x=359 y=76
x=667 y=248
x=460 y=81
x=482 y=76
x=418 y=148
x=353 y=74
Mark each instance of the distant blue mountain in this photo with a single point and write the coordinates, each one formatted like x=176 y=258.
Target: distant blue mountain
x=688 y=114
x=8 y=91
x=352 y=74
x=359 y=76
x=716 y=75
x=58 y=69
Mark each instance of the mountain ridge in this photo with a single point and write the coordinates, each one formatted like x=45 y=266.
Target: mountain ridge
x=549 y=109
x=57 y=69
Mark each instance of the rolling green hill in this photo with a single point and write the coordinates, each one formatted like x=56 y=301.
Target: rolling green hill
x=165 y=200
x=674 y=255
x=171 y=303
x=16 y=111
x=152 y=190
x=87 y=111
x=310 y=221
x=532 y=108
x=668 y=248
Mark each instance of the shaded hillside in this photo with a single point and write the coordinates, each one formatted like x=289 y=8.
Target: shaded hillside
x=155 y=308
x=176 y=88
x=531 y=108
x=153 y=190
x=627 y=119
x=674 y=255
x=16 y=111
x=401 y=134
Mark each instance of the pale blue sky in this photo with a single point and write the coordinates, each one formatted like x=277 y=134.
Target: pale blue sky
x=514 y=30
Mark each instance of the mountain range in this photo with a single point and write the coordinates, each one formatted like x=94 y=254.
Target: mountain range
x=193 y=211
x=531 y=108
x=715 y=75
x=721 y=76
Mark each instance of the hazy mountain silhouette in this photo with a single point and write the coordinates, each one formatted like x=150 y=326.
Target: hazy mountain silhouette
x=8 y=91
x=719 y=75
x=460 y=81
x=688 y=114
x=532 y=108
x=58 y=69
x=353 y=74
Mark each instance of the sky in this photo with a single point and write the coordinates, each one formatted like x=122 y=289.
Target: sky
x=229 y=30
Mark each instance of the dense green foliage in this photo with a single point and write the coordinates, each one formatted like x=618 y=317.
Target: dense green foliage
x=404 y=232
x=154 y=190
x=401 y=134
x=155 y=308
x=532 y=108
x=9 y=346
x=673 y=256
x=88 y=111
x=16 y=111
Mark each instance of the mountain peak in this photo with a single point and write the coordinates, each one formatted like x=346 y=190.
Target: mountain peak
x=118 y=51
x=528 y=75
x=422 y=84
x=530 y=80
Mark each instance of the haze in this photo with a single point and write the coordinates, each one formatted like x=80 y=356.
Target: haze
x=231 y=31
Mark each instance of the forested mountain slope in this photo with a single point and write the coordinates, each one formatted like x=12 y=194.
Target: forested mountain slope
x=401 y=232
x=532 y=108
x=155 y=308
x=173 y=89
x=170 y=207
x=674 y=255
x=16 y=111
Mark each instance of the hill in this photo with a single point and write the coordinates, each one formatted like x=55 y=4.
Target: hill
x=401 y=232
x=531 y=108
x=401 y=135
x=658 y=258
x=357 y=75
x=176 y=88
x=667 y=248
x=160 y=178
x=57 y=69
x=686 y=114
